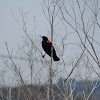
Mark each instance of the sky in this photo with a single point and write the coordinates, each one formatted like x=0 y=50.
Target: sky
x=11 y=33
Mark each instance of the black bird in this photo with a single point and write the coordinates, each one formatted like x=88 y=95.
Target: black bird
x=46 y=45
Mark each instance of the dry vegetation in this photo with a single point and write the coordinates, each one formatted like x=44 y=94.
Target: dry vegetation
x=80 y=23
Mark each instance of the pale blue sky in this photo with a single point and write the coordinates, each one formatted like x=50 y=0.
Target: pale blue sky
x=11 y=32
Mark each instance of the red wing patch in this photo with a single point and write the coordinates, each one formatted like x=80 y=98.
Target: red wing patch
x=48 y=41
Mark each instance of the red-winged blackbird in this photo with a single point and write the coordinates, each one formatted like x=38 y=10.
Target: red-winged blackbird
x=46 y=44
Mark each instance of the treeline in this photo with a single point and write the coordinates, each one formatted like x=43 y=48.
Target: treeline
x=40 y=92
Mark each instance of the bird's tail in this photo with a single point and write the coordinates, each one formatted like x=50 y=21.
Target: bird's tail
x=55 y=58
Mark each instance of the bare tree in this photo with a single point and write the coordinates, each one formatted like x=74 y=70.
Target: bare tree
x=78 y=18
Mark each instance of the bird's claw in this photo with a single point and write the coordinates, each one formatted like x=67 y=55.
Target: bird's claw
x=43 y=56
